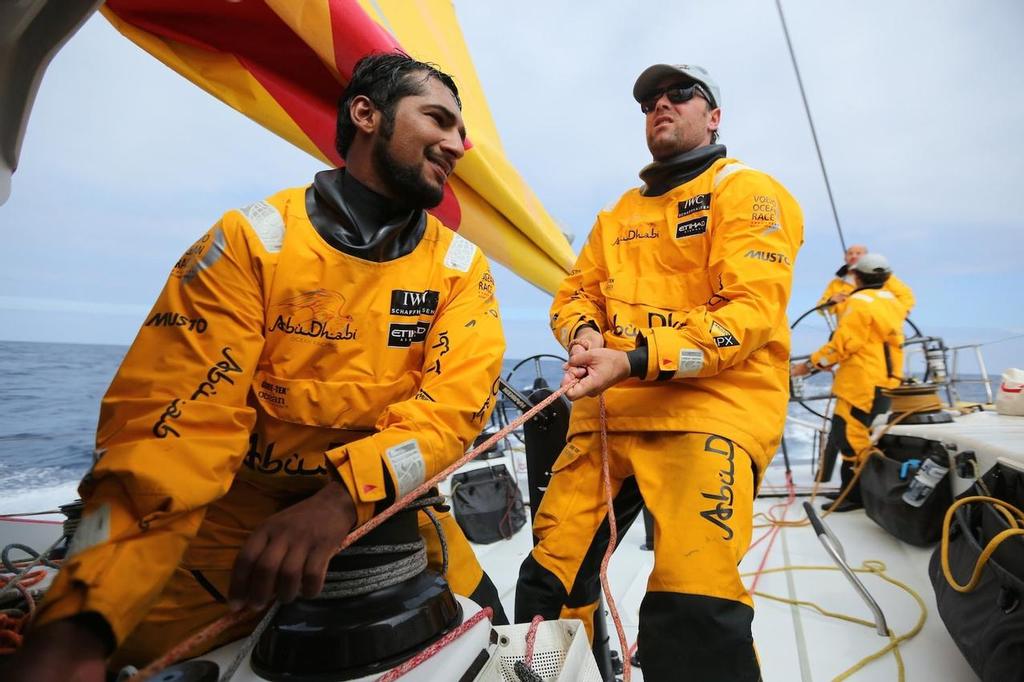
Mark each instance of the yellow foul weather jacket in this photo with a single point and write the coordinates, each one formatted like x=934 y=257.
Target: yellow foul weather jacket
x=839 y=285
x=701 y=275
x=275 y=358
x=867 y=345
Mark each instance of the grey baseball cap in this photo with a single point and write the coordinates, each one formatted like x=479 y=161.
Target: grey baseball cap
x=872 y=263
x=653 y=75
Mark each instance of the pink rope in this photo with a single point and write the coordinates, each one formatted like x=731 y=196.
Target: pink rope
x=774 y=533
x=613 y=534
x=431 y=650
x=531 y=639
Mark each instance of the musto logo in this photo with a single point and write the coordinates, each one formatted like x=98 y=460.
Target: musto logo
x=318 y=314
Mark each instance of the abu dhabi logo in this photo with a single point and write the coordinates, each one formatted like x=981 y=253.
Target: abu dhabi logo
x=319 y=314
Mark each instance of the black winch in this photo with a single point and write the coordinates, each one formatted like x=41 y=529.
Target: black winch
x=380 y=607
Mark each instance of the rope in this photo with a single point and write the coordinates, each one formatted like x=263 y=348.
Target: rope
x=774 y=532
x=613 y=533
x=39 y=559
x=14 y=620
x=341 y=584
x=1012 y=515
x=217 y=627
x=876 y=568
x=5 y=557
x=915 y=402
x=862 y=457
x=431 y=650
x=531 y=639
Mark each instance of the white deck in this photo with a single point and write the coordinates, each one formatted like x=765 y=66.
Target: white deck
x=794 y=644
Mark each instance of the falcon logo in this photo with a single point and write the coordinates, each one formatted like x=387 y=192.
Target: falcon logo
x=318 y=313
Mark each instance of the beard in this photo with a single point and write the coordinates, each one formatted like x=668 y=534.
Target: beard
x=406 y=181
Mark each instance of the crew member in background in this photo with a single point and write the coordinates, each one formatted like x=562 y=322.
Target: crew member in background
x=842 y=285
x=311 y=358
x=868 y=347
x=676 y=313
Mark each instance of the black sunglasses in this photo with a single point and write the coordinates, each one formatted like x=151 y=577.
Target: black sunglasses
x=677 y=94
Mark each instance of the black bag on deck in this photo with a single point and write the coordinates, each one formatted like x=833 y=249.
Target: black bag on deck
x=487 y=504
x=885 y=479
x=988 y=622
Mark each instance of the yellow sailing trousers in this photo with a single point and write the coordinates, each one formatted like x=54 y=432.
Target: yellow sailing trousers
x=699 y=487
x=196 y=594
x=850 y=439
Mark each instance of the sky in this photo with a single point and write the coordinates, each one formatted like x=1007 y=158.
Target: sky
x=917 y=106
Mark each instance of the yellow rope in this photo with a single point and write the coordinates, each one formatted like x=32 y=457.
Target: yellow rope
x=913 y=403
x=1012 y=515
x=875 y=568
x=862 y=457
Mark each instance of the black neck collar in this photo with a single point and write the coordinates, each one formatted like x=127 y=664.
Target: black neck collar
x=661 y=176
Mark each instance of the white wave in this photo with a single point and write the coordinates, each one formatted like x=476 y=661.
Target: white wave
x=42 y=498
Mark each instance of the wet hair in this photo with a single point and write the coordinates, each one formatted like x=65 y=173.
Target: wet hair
x=385 y=79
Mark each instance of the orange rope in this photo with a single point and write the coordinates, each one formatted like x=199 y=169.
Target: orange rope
x=613 y=533
x=13 y=626
x=180 y=650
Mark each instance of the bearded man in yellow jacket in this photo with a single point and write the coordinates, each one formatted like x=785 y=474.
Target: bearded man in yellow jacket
x=311 y=358
x=867 y=346
x=842 y=285
x=676 y=313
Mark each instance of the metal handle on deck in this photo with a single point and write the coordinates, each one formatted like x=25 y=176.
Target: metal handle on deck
x=835 y=550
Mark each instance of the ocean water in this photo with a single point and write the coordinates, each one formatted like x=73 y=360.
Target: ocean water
x=50 y=403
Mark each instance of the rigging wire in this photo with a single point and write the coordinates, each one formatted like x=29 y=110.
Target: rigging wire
x=810 y=120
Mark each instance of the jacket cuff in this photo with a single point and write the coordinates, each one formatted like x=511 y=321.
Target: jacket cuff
x=362 y=473
x=638 y=361
x=667 y=358
x=580 y=324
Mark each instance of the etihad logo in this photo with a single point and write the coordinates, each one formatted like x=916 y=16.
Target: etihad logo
x=633 y=234
x=404 y=335
x=414 y=303
x=692 y=228
x=768 y=256
x=318 y=314
x=701 y=202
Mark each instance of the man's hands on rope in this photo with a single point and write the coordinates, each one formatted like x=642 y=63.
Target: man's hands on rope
x=289 y=552
x=595 y=367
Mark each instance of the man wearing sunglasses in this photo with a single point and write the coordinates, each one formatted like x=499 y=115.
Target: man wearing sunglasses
x=676 y=314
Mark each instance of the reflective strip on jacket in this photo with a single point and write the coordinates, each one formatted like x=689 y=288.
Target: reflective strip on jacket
x=867 y=345
x=702 y=276
x=271 y=355
x=839 y=285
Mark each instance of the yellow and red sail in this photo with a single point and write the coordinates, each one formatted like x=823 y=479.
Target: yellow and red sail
x=284 y=64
